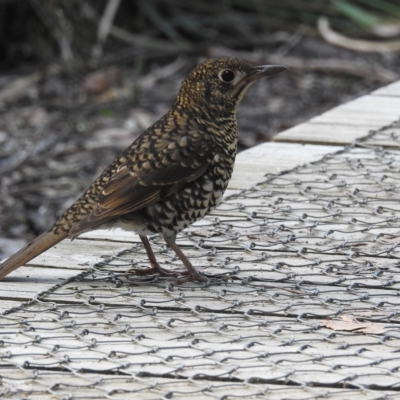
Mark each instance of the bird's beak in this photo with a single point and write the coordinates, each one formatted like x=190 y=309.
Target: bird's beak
x=265 y=70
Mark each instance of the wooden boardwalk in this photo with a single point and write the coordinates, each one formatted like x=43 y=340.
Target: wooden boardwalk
x=303 y=301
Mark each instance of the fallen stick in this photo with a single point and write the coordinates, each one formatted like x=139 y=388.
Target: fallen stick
x=366 y=46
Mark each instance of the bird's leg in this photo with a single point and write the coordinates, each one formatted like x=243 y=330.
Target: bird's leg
x=192 y=274
x=155 y=266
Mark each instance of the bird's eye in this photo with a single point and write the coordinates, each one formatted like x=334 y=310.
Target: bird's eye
x=227 y=75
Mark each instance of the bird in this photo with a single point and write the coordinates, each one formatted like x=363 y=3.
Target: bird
x=172 y=175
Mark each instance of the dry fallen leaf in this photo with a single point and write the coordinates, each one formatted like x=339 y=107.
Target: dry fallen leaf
x=99 y=81
x=347 y=322
x=207 y=233
x=262 y=238
x=390 y=239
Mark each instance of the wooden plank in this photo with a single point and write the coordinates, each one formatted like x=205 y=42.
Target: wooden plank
x=23 y=286
x=20 y=383
x=382 y=106
x=77 y=255
x=24 y=283
x=271 y=158
x=328 y=134
x=53 y=267
x=142 y=298
x=335 y=127
x=7 y=304
x=390 y=90
x=348 y=117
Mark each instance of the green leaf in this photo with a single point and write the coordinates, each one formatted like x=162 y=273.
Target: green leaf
x=356 y=14
x=106 y=112
x=385 y=6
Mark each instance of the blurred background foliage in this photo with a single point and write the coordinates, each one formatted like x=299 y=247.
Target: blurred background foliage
x=80 y=80
x=75 y=32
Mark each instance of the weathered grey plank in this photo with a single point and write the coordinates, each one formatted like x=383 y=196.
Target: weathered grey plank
x=271 y=158
x=334 y=127
x=49 y=385
x=79 y=254
x=321 y=133
x=390 y=90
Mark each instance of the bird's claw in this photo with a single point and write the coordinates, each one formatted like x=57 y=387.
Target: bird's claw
x=190 y=278
x=182 y=276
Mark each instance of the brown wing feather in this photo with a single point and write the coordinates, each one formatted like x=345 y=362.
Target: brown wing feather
x=127 y=192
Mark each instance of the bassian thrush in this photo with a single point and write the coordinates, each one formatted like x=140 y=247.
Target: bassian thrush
x=173 y=174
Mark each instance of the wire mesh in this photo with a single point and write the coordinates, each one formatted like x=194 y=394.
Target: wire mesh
x=302 y=301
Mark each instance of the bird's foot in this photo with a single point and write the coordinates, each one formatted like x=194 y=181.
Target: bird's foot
x=156 y=269
x=182 y=276
x=190 y=277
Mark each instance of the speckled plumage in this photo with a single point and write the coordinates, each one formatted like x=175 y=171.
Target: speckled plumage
x=173 y=174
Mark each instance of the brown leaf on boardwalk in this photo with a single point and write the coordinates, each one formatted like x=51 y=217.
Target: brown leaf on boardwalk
x=263 y=238
x=347 y=322
x=391 y=239
x=206 y=233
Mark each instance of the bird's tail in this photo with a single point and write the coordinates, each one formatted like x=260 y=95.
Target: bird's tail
x=30 y=251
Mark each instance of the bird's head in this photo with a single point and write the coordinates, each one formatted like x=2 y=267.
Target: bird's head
x=219 y=84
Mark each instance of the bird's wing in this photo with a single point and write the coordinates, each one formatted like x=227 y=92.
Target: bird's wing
x=131 y=189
